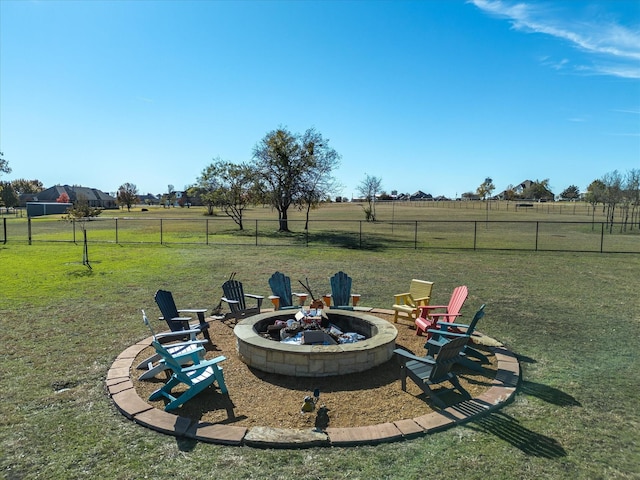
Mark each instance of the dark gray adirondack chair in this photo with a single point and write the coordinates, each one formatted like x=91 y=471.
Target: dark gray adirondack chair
x=449 y=330
x=428 y=371
x=234 y=297
x=177 y=323
x=282 y=297
x=341 y=294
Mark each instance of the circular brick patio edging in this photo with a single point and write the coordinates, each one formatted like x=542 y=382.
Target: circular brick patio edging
x=121 y=389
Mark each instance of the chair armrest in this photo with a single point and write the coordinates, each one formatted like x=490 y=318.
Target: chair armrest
x=192 y=310
x=422 y=301
x=410 y=356
x=186 y=344
x=228 y=300
x=299 y=294
x=432 y=307
x=451 y=324
x=403 y=299
x=181 y=333
x=206 y=363
x=180 y=319
x=454 y=315
x=446 y=333
x=251 y=295
x=273 y=297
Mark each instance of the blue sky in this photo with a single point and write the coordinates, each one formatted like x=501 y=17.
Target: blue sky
x=427 y=95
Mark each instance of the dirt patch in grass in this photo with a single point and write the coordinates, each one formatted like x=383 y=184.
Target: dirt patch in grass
x=256 y=398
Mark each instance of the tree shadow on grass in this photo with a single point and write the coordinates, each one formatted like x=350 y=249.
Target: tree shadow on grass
x=510 y=430
x=549 y=394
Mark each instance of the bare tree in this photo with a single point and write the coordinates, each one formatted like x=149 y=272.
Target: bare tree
x=127 y=195
x=369 y=189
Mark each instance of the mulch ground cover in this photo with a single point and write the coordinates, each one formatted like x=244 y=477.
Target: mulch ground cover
x=257 y=398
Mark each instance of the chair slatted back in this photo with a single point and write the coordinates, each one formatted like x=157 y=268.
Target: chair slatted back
x=172 y=363
x=420 y=289
x=458 y=297
x=340 y=289
x=233 y=290
x=168 y=309
x=446 y=358
x=281 y=286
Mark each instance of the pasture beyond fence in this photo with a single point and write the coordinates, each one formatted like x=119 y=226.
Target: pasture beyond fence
x=523 y=235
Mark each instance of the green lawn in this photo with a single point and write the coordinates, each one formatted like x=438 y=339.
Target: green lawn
x=573 y=318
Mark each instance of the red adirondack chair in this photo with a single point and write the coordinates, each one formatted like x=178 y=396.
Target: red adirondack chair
x=429 y=318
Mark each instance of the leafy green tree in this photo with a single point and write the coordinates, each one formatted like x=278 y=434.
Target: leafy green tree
x=538 y=190
x=282 y=161
x=127 y=195
x=228 y=186
x=8 y=195
x=4 y=165
x=27 y=186
x=485 y=190
x=570 y=193
x=369 y=189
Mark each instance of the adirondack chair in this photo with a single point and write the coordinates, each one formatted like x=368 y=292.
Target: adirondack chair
x=429 y=371
x=282 y=297
x=429 y=318
x=196 y=377
x=171 y=315
x=406 y=304
x=341 y=292
x=234 y=297
x=183 y=352
x=443 y=334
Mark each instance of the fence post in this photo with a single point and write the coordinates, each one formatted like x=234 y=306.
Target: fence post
x=29 y=229
x=475 y=234
x=415 y=236
x=360 y=222
x=537 y=230
x=160 y=231
x=256 y=232
x=116 y=219
x=601 y=236
x=4 y=223
x=206 y=229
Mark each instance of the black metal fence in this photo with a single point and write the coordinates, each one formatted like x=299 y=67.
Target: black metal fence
x=531 y=235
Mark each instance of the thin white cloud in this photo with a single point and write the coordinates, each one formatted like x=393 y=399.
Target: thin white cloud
x=614 y=48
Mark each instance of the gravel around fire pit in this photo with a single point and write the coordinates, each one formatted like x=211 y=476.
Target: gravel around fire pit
x=260 y=399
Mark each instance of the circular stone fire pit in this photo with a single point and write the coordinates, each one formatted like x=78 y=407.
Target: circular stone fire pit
x=316 y=360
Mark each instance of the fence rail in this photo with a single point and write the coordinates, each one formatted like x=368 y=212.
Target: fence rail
x=533 y=235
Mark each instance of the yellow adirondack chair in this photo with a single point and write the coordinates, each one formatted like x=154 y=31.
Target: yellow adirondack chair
x=407 y=304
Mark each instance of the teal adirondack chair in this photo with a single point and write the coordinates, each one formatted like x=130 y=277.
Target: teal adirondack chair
x=282 y=297
x=429 y=371
x=341 y=292
x=183 y=352
x=196 y=377
x=235 y=298
x=449 y=330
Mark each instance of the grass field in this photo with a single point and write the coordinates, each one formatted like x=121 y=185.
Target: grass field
x=574 y=320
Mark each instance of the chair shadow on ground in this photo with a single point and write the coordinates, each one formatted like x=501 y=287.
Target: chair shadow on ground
x=510 y=430
x=548 y=394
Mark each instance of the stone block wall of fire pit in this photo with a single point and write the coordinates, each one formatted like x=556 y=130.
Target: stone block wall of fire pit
x=316 y=360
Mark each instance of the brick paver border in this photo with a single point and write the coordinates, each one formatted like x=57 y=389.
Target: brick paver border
x=126 y=399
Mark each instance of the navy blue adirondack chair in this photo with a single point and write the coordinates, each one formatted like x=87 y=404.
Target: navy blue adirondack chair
x=429 y=371
x=235 y=298
x=175 y=321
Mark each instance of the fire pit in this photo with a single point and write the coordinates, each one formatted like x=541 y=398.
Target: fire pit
x=316 y=360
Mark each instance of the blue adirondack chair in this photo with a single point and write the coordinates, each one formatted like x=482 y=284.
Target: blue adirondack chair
x=428 y=371
x=196 y=377
x=341 y=292
x=184 y=352
x=282 y=297
x=235 y=298
x=449 y=330
x=176 y=322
